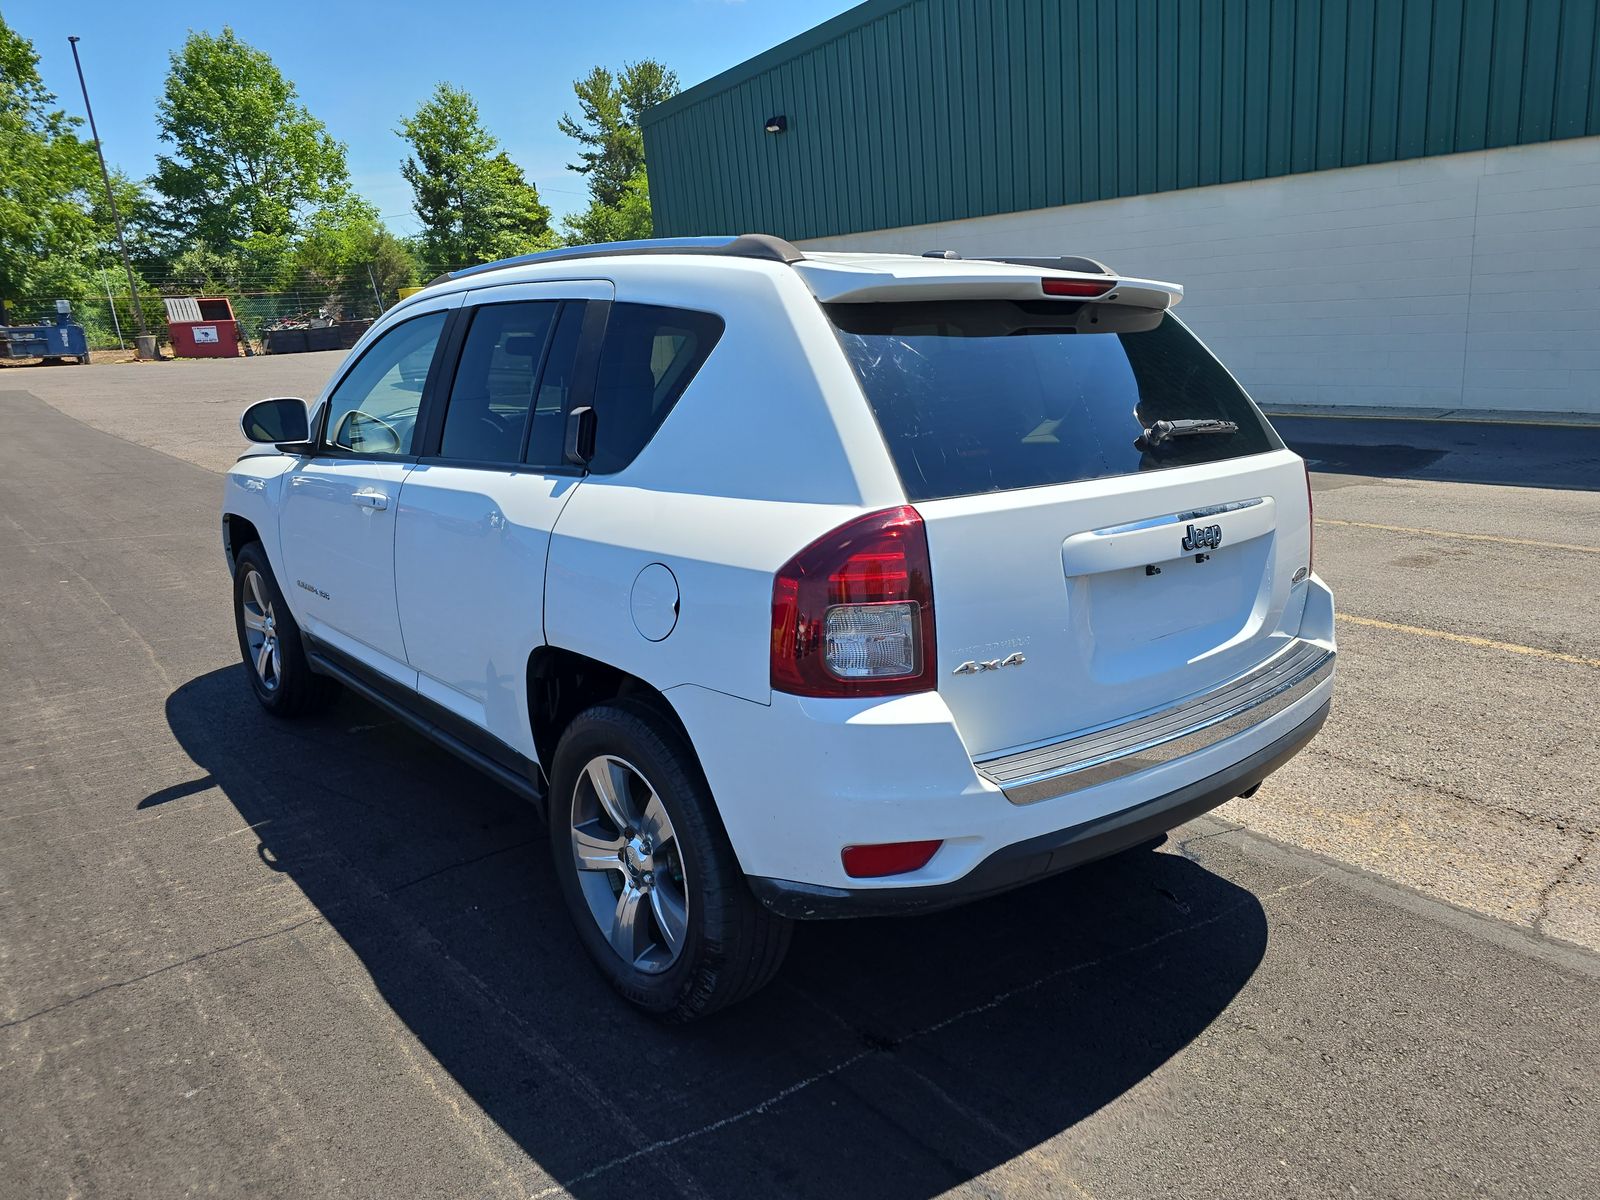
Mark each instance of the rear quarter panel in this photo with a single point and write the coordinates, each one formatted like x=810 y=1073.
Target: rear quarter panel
x=769 y=447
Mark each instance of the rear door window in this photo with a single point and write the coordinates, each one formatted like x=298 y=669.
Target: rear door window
x=990 y=395
x=648 y=357
x=492 y=396
x=547 y=441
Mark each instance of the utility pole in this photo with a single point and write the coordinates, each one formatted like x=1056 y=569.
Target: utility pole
x=116 y=217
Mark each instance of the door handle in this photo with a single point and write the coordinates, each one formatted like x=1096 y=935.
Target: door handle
x=371 y=498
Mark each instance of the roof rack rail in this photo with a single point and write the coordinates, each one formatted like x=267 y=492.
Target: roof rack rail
x=746 y=245
x=1059 y=262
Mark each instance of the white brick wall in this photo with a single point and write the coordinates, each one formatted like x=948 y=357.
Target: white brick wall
x=1466 y=281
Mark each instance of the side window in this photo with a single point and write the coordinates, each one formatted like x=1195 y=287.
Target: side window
x=374 y=408
x=649 y=356
x=547 y=442
x=493 y=390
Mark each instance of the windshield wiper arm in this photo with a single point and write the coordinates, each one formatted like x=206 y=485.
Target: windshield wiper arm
x=1161 y=431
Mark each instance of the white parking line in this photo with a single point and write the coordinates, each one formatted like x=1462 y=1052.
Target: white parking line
x=1467 y=639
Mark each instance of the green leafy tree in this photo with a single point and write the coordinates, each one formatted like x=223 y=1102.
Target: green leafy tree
x=394 y=264
x=202 y=270
x=249 y=162
x=346 y=252
x=335 y=240
x=52 y=234
x=624 y=221
x=474 y=203
x=607 y=127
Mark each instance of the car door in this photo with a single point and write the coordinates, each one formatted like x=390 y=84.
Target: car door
x=475 y=515
x=338 y=518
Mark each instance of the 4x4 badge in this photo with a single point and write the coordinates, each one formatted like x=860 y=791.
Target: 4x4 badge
x=974 y=665
x=1203 y=537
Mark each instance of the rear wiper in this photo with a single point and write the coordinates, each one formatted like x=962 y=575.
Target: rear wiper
x=1161 y=431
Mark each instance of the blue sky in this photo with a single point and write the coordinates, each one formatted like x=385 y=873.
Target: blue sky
x=360 y=65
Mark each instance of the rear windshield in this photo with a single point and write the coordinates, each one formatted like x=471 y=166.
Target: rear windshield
x=988 y=395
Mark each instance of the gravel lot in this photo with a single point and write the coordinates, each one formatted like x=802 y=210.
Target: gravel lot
x=241 y=957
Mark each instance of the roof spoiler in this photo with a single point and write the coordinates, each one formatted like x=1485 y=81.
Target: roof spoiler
x=1061 y=262
x=985 y=279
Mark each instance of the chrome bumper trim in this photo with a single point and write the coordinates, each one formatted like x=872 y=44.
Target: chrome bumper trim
x=1127 y=747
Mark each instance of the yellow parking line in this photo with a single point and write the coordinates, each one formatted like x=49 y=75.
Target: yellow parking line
x=1464 y=537
x=1466 y=639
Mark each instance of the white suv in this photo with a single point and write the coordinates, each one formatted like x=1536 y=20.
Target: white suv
x=791 y=584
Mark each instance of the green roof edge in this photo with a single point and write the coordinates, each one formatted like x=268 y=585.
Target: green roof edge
x=818 y=35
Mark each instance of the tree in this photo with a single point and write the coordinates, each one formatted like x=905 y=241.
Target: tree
x=610 y=107
x=52 y=234
x=249 y=162
x=346 y=252
x=625 y=221
x=200 y=270
x=474 y=203
x=393 y=263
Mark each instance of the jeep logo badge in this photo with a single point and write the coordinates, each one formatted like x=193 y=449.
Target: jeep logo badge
x=1202 y=537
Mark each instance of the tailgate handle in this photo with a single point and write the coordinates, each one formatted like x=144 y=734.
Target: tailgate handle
x=1167 y=538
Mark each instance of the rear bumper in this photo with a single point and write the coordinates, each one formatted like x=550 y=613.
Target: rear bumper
x=797 y=779
x=1128 y=747
x=1049 y=854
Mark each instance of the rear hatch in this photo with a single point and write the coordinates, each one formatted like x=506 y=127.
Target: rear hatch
x=1090 y=562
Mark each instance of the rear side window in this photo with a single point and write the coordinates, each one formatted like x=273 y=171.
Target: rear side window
x=547 y=441
x=649 y=356
x=492 y=395
x=990 y=395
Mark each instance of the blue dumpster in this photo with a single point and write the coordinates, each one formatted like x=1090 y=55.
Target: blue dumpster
x=64 y=339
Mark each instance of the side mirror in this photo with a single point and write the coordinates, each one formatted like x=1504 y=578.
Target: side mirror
x=274 y=422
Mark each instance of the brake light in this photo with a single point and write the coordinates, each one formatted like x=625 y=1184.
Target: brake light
x=852 y=613
x=886 y=858
x=1081 y=288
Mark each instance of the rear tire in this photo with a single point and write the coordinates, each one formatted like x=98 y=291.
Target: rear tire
x=657 y=858
x=270 y=642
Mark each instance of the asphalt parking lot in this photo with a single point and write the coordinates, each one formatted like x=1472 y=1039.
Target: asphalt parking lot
x=242 y=957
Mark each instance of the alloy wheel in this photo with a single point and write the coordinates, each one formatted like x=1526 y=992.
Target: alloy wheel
x=261 y=630
x=630 y=868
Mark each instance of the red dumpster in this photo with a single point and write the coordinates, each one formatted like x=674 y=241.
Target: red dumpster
x=202 y=327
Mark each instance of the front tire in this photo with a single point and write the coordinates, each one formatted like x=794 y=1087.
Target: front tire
x=270 y=642
x=651 y=882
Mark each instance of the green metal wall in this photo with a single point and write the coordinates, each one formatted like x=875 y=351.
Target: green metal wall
x=907 y=111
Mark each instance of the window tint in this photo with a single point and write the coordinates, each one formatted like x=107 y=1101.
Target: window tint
x=493 y=389
x=987 y=395
x=374 y=408
x=649 y=356
x=547 y=444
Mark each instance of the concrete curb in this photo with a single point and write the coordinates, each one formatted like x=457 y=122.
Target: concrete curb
x=1463 y=416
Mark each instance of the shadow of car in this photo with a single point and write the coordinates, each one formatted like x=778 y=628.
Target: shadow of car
x=893 y=1058
x=1505 y=454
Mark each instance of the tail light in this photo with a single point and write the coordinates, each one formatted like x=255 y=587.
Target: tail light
x=852 y=613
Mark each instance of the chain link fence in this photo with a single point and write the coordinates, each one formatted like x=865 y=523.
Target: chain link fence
x=109 y=323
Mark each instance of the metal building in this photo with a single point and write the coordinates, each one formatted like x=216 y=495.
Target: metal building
x=1389 y=203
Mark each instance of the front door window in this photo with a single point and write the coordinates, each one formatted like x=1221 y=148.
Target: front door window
x=373 y=411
